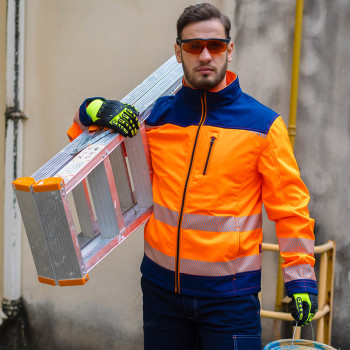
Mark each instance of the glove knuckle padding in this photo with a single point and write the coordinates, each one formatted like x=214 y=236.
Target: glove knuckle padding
x=118 y=116
x=129 y=113
x=110 y=108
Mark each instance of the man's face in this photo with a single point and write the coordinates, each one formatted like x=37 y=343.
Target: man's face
x=204 y=71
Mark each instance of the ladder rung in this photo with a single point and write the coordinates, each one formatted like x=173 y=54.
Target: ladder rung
x=84 y=209
x=122 y=179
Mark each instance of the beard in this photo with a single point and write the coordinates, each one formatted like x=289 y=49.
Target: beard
x=205 y=82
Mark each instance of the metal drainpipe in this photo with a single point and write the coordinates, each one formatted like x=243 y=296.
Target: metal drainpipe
x=291 y=128
x=11 y=304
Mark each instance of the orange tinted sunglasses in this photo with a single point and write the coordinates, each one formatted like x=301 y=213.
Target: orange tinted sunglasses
x=196 y=46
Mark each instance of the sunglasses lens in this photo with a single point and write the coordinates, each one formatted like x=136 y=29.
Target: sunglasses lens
x=193 y=46
x=216 y=46
x=196 y=46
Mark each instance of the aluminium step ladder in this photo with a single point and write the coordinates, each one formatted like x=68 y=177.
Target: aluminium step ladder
x=79 y=206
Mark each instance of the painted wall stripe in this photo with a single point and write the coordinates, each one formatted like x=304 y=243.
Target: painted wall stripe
x=205 y=268
x=208 y=223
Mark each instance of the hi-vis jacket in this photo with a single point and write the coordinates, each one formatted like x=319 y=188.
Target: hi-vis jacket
x=217 y=156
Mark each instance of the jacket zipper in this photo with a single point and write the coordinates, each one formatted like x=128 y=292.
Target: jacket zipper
x=177 y=260
x=213 y=138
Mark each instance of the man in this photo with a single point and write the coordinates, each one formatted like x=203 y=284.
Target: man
x=217 y=155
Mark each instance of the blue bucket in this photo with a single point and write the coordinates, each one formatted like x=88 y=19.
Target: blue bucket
x=298 y=344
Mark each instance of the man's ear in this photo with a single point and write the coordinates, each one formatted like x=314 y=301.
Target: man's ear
x=229 y=51
x=177 y=49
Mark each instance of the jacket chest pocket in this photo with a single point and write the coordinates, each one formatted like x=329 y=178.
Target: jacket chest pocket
x=223 y=160
x=227 y=158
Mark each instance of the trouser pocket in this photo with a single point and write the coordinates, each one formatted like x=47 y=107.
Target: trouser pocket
x=246 y=342
x=256 y=301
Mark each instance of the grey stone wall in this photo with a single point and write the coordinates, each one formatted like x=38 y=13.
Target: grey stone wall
x=263 y=34
x=323 y=139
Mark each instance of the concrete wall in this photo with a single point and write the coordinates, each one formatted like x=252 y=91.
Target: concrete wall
x=81 y=48
x=323 y=140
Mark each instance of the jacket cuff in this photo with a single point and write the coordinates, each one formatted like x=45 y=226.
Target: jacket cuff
x=301 y=286
x=83 y=116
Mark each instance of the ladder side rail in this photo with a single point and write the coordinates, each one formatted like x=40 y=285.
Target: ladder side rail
x=170 y=81
x=150 y=81
x=146 y=150
x=140 y=172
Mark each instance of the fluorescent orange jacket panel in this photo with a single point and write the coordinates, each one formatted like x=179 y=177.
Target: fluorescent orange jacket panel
x=217 y=157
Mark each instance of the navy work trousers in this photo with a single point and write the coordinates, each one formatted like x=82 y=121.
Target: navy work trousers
x=173 y=321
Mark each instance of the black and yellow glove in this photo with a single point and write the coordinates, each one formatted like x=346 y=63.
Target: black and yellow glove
x=304 y=308
x=111 y=114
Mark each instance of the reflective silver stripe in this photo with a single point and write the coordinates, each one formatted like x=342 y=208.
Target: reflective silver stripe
x=297 y=272
x=206 y=222
x=225 y=268
x=163 y=214
x=205 y=268
x=296 y=245
x=221 y=223
x=166 y=261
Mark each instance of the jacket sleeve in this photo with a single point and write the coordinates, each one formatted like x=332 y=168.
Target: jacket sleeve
x=285 y=198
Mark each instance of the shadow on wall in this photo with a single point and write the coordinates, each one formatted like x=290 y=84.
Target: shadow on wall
x=15 y=331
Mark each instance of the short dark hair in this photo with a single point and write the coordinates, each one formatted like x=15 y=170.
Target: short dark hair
x=201 y=12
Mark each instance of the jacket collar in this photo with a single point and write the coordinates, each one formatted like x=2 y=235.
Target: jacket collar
x=215 y=99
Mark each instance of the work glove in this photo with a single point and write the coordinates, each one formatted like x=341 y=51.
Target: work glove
x=111 y=114
x=304 y=308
